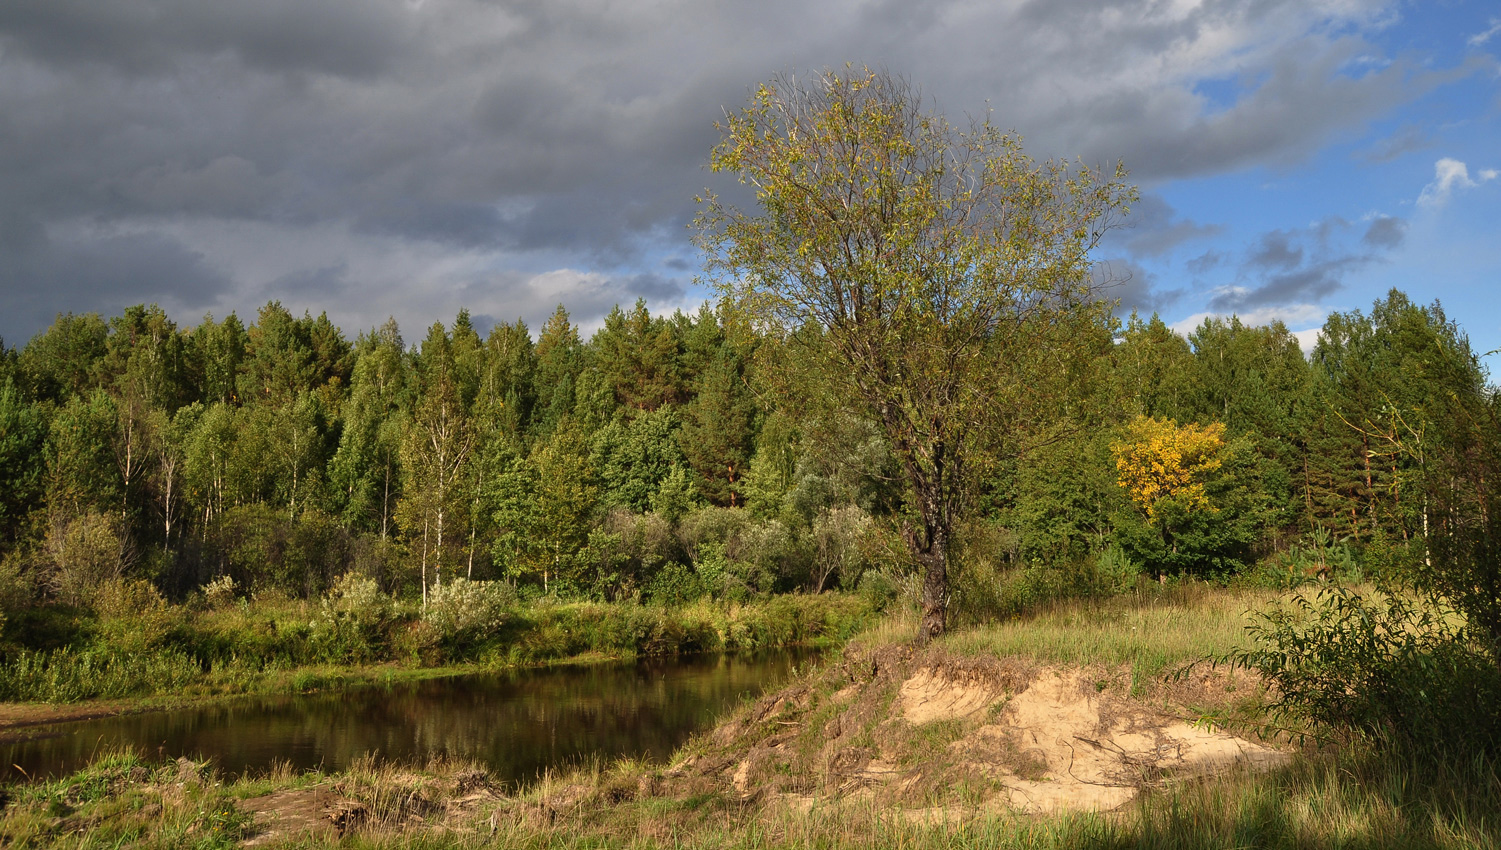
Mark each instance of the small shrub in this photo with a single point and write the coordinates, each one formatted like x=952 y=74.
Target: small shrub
x=879 y=589
x=674 y=584
x=133 y=616
x=1390 y=666
x=351 y=620
x=462 y=611
x=219 y=594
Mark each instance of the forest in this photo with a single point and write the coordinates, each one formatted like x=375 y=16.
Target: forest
x=670 y=458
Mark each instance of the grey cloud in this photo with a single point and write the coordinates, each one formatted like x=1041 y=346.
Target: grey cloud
x=1385 y=232
x=101 y=274
x=1276 y=251
x=348 y=37
x=320 y=284
x=1304 y=98
x=1303 y=286
x=1154 y=229
x=1407 y=139
x=574 y=131
x=1205 y=262
x=1132 y=287
x=1286 y=268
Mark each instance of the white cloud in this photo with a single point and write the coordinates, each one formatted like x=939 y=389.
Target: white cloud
x=1480 y=38
x=1449 y=175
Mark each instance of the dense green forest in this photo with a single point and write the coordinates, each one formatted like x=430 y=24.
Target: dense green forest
x=666 y=458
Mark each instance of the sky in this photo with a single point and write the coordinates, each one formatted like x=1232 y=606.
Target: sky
x=406 y=158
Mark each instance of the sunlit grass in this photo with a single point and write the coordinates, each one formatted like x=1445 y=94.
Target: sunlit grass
x=1149 y=631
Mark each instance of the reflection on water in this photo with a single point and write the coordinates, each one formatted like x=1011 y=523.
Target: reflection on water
x=518 y=722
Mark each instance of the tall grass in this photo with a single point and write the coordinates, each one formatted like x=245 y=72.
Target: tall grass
x=268 y=645
x=1150 y=630
x=66 y=676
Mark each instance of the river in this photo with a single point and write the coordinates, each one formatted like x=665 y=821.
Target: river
x=518 y=723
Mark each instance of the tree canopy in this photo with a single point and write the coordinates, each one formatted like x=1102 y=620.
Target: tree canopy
x=937 y=260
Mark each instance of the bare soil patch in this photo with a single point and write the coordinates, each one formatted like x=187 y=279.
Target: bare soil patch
x=919 y=729
x=16 y=717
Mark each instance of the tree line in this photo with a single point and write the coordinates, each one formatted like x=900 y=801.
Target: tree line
x=669 y=457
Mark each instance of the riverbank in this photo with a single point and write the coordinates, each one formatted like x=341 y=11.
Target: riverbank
x=1076 y=726
x=247 y=651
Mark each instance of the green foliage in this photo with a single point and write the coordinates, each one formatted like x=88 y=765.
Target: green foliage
x=635 y=459
x=62 y=361
x=352 y=620
x=1393 y=666
x=1063 y=497
x=989 y=589
x=839 y=555
x=66 y=675
x=133 y=617
x=675 y=584
x=220 y=593
x=1210 y=534
x=84 y=553
x=81 y=473
x=265 y=550
x=463 y=611
x=23 y=432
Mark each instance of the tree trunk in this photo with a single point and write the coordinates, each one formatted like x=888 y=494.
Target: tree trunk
x=935 y=585
x=933 y=554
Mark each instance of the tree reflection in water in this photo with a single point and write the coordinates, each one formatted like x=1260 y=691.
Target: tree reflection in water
x=518 y=722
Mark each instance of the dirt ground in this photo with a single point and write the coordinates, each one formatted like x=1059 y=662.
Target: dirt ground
x=919 y=729
x=15 y=717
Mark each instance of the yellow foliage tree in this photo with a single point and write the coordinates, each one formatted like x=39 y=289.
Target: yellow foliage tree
x=1160 y=460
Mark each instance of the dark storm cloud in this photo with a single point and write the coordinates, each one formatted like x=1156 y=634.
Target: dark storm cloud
x=315 y=284
x=421 y=152
x=349 y=37
x=104 y=274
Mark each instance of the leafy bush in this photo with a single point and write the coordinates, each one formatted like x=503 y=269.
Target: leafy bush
x=85 y=552
x=133 y=616
x=986 y=590
x=1396 y=667
x=674 y=584
x=352 y=619
x=220 y=593
x=462 y=611
x=1318 y=557
x=16 y=589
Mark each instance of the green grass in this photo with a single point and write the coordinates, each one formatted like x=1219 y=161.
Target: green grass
x=267 y=646
x=1360 y=796
x=1150 y=631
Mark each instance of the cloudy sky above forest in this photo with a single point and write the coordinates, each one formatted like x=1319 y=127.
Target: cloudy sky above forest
x=411 y=157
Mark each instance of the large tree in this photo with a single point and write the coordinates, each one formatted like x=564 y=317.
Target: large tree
x=937 y=260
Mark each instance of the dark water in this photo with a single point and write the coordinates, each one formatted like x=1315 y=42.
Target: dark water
x=519 y=723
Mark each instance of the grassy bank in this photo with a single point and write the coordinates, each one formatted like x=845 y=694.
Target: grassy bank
x=281 y=645
x=1356 y=799
x=787 y=792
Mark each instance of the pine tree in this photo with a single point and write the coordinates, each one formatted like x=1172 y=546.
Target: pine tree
x=559 y=359
x=716 y=433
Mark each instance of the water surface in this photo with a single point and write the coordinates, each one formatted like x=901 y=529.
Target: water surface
x=517 y=722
